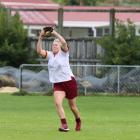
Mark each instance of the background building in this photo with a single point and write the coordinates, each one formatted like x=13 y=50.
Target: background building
x=76 y=24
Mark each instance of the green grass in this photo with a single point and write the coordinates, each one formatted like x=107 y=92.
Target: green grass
x=103 y=118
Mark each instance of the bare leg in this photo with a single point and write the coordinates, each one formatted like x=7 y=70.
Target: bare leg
x=74 y=109
x=58 y=98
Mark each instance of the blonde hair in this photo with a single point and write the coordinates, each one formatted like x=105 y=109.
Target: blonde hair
x=57 y=40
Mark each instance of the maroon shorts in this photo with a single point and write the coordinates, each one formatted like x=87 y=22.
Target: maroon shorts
x=69 y=87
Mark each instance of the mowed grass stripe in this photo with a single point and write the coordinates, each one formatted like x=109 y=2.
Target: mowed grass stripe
x=103 y=118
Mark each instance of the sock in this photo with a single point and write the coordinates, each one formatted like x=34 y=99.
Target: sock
x=78 y=124
x=64 y=123
x=78 y=120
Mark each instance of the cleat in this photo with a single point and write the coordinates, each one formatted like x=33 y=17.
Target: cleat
x=78 y=126
x=63 y=129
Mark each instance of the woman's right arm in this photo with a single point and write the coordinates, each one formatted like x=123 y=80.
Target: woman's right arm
x=39 y=49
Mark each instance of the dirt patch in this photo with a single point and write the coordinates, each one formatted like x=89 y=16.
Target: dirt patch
x=7 y=80
x=8 y=89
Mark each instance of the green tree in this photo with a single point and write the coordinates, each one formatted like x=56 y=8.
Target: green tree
x=79 y=2
x=98 y=2
x=124 y=48
x=14 y=44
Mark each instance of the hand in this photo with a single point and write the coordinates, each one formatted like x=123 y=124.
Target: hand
x=42 y=34
x=54 y=33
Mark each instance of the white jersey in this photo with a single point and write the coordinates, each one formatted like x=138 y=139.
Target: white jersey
x=58 y=66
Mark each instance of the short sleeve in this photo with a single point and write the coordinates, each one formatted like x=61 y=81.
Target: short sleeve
x=49 y=54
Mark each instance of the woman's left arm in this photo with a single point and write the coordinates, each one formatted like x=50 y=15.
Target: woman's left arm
x=64 y=45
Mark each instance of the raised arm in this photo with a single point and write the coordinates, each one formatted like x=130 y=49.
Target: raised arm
x=39 y=49
x=62 y=40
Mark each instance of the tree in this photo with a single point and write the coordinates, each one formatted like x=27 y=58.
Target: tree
x=14 y=48
x=98 y=2
x=79 y=2
x=124 y=48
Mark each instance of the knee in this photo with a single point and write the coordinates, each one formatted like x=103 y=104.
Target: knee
x=58 y=104
x=73 y=107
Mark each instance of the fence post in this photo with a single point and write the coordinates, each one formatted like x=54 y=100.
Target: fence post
x=112 y=22
x=20 y=81
x=85 y=88
x=60 y=20
x=118 y=87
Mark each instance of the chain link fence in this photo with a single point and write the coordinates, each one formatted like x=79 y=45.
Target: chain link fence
x=91 y=79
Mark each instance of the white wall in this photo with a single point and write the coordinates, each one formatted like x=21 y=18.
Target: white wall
x=68 y=32
x=138 y=30
x=75 y=32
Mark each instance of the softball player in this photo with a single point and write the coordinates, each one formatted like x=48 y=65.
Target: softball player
x=60 y=74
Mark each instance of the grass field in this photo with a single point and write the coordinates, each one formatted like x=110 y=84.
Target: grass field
x=103 y=118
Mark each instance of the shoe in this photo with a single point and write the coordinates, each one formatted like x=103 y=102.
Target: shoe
x=78 y=126
x=63 y=129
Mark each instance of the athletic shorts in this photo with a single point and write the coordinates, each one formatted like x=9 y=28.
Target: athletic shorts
x=69 y=87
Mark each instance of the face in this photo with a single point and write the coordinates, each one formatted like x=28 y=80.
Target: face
x=56 y=46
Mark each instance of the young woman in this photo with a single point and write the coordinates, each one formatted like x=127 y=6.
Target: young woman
x=60 y=74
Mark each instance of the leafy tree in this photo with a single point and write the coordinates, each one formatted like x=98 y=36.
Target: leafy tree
x=79 y=2
x=124 y=48
x=98 y=2
x=14 y=45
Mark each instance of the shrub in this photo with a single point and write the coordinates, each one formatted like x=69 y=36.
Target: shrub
x=124 y=48
x=14 y=43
